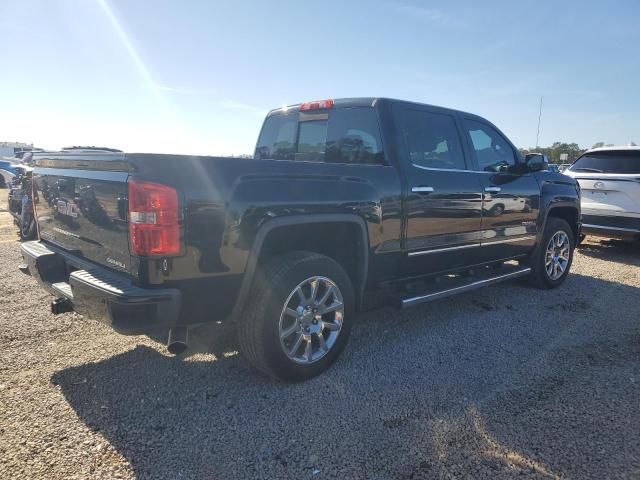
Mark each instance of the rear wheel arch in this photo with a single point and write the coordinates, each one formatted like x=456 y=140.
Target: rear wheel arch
x=280 y=339
x=310 y=233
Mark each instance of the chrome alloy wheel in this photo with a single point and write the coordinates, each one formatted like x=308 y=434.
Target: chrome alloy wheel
x=556 y=257
x=311 y=320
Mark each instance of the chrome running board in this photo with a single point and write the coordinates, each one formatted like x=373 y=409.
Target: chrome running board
x=462 y=284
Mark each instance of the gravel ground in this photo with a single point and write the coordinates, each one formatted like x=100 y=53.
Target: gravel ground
x=503 y=382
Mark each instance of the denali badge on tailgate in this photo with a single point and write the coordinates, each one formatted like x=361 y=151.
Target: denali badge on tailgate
x=116 y=263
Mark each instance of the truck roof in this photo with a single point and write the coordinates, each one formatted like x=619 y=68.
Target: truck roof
x=369 y=102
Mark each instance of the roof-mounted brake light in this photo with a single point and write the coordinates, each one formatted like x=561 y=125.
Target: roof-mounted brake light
x=316 y=105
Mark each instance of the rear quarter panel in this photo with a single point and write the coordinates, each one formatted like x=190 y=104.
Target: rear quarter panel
x=228 y=200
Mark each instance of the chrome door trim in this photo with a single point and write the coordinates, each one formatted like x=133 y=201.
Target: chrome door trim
x=422 y=189
x=472 y=245
x=509 y=240
x=446 y=249
x=459 y=170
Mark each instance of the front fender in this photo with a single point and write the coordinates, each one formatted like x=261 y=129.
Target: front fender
x=558 y=191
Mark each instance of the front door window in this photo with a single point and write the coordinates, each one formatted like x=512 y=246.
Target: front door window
x=493 y=152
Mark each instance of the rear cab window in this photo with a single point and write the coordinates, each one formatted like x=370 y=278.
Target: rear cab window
x=349 y=135
x=616 y=162
x=312 y=137
x=278 y=138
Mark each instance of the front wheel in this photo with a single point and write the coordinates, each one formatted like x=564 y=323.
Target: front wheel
x=552 y=260
x=299 y=316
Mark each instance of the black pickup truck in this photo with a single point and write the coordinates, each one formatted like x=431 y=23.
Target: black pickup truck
x=346 y=204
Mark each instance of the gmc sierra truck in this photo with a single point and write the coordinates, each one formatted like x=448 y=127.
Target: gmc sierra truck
x=346 y=204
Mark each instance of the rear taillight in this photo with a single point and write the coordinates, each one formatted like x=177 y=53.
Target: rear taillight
x=154 y=226
x=316 y=105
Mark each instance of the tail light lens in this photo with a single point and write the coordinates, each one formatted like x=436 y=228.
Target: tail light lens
x=154 y=227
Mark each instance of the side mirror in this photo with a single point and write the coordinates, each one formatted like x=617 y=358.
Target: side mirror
x=536 y=162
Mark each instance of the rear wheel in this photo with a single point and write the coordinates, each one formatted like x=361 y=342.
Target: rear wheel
x=299 y=316
x=552 y=260
x=496 y=210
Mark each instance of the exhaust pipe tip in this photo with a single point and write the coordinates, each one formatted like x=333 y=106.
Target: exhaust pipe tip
x=177 y=341
x=176 y=348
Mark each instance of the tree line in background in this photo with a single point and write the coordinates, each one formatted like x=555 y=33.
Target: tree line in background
x=572 y=150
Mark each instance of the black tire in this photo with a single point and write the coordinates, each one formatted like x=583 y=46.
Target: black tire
x=258 y=329
x=496 y=210
x=539 y=276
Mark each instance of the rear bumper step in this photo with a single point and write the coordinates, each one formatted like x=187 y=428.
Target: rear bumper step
x=99 y=293
x=460 y=284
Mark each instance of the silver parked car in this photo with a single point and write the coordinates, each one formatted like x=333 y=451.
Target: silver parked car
x=610 y=181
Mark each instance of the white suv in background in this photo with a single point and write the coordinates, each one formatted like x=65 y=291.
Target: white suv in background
x=609 y=178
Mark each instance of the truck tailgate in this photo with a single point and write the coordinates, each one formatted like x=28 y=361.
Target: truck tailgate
x=81 y=205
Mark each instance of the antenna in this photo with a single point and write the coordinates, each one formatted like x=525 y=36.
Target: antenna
x=539 y=117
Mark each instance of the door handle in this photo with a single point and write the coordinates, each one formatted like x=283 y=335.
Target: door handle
x=492 y=189
x=422 y=189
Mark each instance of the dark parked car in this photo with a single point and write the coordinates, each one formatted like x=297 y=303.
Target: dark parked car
x=346 y=203
x=20 y=202
x=7 y=172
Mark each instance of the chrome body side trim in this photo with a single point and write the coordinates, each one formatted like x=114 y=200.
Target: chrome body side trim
x=471 y=245
x=451 y=169
x=509 y=240
x=446 y=249
x=422 y=189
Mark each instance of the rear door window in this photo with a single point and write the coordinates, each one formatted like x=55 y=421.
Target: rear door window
x=343 y=135
x=608 y=162
x=354 y=137
x=432 y=140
